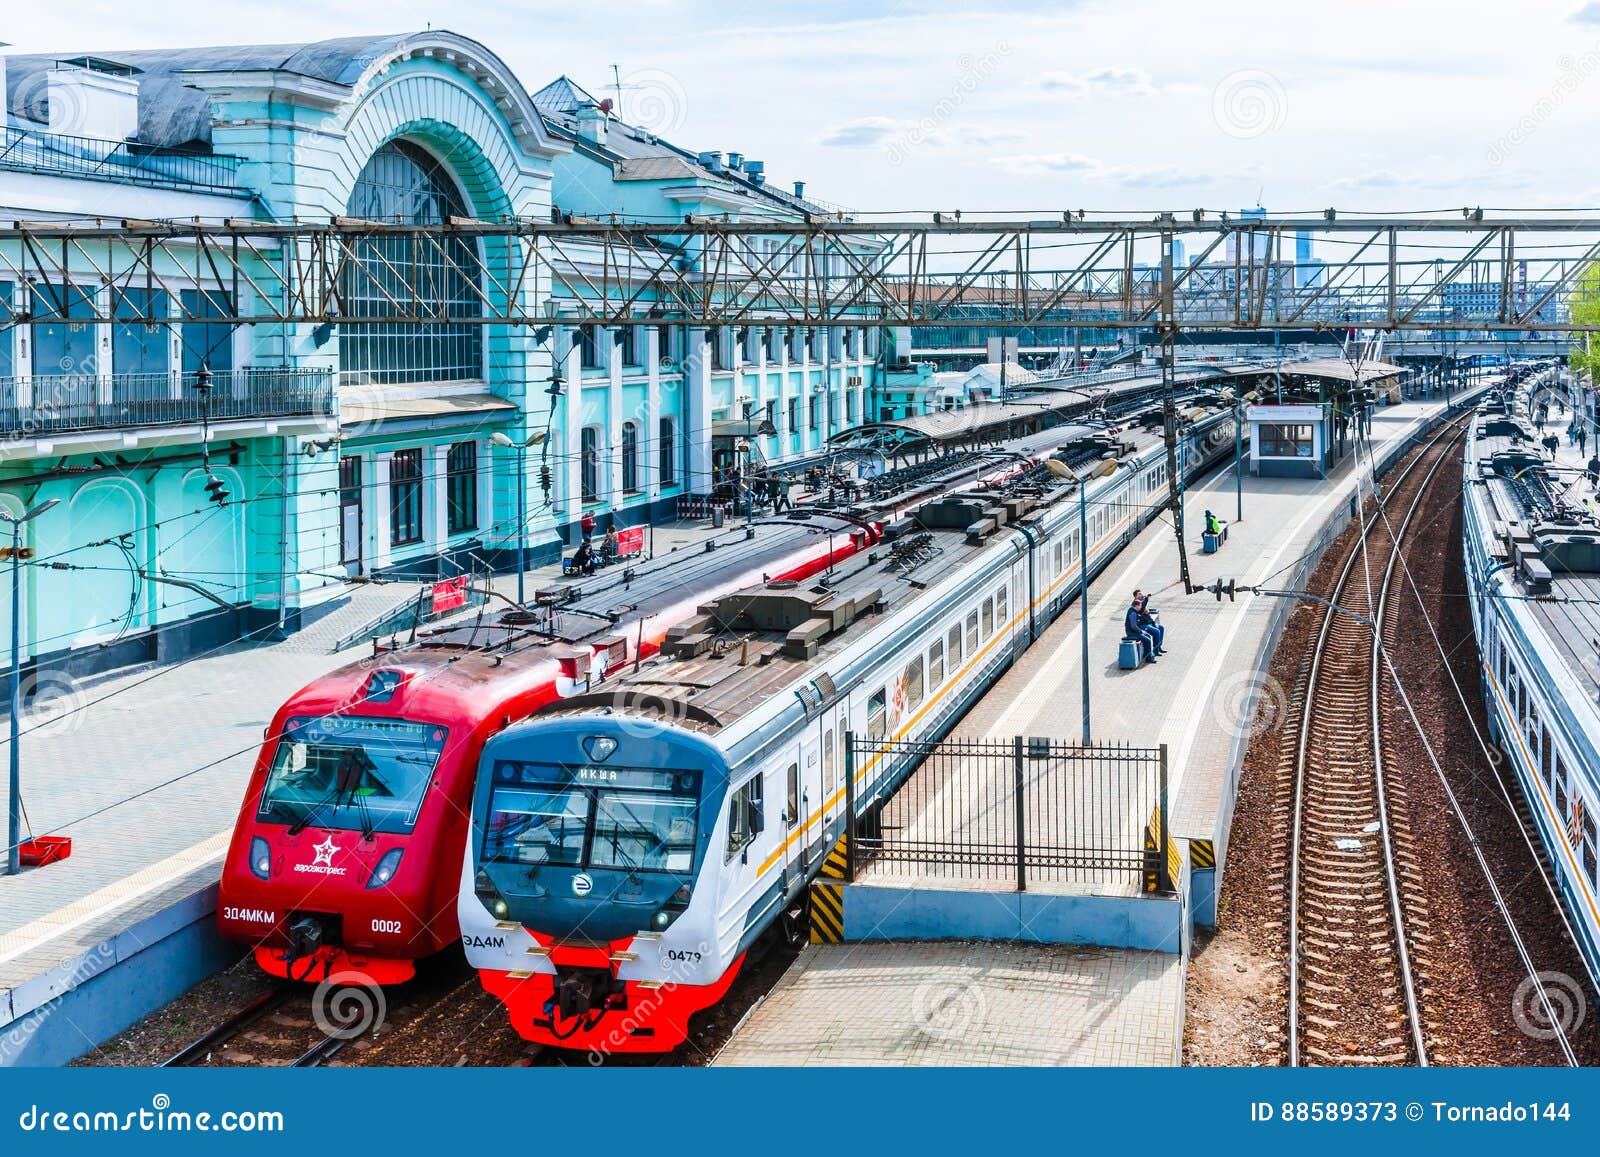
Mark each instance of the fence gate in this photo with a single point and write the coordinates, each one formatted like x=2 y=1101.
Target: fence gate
x=1021 y=811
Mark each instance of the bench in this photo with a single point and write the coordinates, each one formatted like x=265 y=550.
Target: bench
x=1211 y=543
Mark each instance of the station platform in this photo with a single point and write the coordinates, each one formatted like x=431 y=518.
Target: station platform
x=965 y=1003
x=1199 y=700
x=145 y=771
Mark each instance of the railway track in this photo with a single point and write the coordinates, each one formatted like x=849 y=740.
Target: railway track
x=1355 y=905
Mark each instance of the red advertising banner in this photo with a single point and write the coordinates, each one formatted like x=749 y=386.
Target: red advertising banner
x=630 y=541
x=450 y=594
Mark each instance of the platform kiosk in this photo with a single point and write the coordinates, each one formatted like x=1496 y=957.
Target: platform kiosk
x=1288 y=441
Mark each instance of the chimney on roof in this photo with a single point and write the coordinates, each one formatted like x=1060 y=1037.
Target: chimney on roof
x=756 y=171
x=800 y=189
x=91 y=97
x=735 y=160
x=592 y=123
x=711 y=160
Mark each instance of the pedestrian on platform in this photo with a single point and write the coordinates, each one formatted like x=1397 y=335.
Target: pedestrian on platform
x=586 y=526
x=1582 y=436
x=1592 y=472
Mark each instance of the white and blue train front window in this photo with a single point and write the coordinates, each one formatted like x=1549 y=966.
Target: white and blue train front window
x=636 y=819
x=351 y=773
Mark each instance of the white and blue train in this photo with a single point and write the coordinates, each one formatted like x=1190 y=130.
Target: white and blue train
x=629 y=845
x=1532 y=557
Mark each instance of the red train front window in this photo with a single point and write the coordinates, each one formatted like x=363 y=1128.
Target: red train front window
x=352 y=773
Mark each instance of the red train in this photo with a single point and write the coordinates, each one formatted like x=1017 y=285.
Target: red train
x=347 y=851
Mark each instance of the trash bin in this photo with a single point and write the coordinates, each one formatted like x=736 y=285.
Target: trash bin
x=716 y=517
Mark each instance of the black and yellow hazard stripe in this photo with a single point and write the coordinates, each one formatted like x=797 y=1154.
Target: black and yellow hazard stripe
x=1202 y=854
x=1152 y=878
x=827 y=913
x=835 y=866
x=827 y=898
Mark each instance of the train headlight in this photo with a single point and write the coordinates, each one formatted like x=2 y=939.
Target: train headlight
x=671 y=910
x=260 y=858
x=489 y=896
x=386 y=868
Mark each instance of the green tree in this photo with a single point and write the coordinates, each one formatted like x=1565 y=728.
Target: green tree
x=1585 y=312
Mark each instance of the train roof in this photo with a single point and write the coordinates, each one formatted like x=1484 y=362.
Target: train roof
x=1541 y=524
x=744 y=648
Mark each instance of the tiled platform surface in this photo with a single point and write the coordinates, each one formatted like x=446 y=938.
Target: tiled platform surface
x=966 y=1003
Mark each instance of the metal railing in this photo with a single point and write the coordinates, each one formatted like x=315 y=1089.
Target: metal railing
x=1019 y=811
x=27 y=150
x=54 y=403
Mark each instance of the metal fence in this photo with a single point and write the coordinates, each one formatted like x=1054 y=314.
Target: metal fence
x=122 y=161
x=53 y=403
x=1015 y=811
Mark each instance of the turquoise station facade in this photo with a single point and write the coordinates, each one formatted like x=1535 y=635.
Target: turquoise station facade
x=358 y=451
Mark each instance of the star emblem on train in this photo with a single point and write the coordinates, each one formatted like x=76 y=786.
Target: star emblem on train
x=324 y=852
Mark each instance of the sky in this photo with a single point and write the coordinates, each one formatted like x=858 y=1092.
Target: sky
x=1103 y=105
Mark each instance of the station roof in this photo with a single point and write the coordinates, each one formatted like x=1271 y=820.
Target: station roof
x=1337 y=369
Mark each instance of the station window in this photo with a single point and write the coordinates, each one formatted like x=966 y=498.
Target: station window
x=1284 y=439
x=744 y=817
x=405 y=497
x=914 y=685
x=828 y=764
x=877 y=714
x=935 y=665
x=972 y=632
x=952 y=647
x=630 y=457
x=988 y=617
x=589 y=347
x=791 y=797
x=589 y=463
x=794 y=415
x=461 y=488
x=667 y=454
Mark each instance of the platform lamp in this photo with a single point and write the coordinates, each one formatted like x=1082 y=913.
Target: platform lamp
x=1102 y=469
x=500 y=438
x=14 y=828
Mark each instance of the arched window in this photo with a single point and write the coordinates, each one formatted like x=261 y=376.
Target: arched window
x=630 y=457
x=403 y=183
x=668 y=450
x=590 y=447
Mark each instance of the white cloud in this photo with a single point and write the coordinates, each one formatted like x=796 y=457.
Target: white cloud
x=1588 y=14
x=864 y=133
x=1101 y=82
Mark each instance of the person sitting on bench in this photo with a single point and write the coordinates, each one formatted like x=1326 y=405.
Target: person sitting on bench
x=1133 y=627
x=1215 y=525
x=583 y=559
x=1150 y=624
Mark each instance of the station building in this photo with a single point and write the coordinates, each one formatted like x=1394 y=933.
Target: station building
x=361 y=450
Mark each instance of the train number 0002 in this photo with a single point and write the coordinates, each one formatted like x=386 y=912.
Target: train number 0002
x=386 y=926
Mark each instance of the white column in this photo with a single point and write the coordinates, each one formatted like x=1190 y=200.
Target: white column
x=435 y=511
x=571 y=470
x=485 y=485
x=611 y=447
x=378 y=512
x=650 y=421
x=697 y=417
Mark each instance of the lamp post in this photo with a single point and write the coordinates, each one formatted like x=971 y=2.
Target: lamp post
x=1061 y=470
x=14 y=800
x=499 y=438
